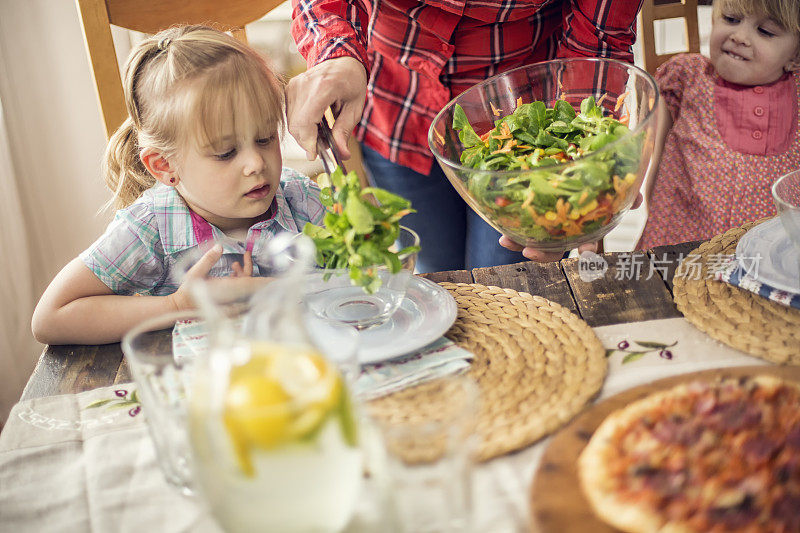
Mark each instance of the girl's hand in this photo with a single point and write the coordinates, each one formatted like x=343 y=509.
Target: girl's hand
x=339 y=83
x=245 y=270
x=181 y=299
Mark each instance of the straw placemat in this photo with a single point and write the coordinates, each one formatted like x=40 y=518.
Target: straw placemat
x=737 y=317
x=536 y=365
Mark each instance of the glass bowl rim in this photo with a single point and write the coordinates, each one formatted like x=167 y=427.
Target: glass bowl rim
x=512 y=173
x=783 y=203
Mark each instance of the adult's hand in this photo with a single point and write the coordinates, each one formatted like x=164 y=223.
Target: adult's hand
x=340 y=83
x=539 y=256
x=544 y=257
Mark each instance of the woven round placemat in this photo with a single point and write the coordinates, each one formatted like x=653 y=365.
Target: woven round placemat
x=535 y=362
x=734 y=316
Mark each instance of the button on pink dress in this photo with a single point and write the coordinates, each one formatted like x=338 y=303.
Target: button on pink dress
x=728 y=144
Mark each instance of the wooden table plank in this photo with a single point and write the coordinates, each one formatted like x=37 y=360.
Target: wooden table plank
x=452 y=276
x=541 y=279
x=64 y=369
x=70 y=369
x=667 y=258
x=617 y=297
x=124 y=373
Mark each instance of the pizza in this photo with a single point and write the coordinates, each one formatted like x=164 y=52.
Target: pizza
x=703 y=456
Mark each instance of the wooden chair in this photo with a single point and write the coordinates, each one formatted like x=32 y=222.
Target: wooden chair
x=150 y=16
x=653 y=10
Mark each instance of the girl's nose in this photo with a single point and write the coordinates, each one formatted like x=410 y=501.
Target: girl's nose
x=254 y=163
x=740 y=37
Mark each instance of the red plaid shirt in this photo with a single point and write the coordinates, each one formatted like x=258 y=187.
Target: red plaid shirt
x=419 y=54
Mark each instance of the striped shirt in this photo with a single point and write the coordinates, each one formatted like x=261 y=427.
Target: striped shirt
x=148 y=245
x=419 y=55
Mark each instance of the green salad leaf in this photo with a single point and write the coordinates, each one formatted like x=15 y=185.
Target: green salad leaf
x=552 y=198
x=357 y=235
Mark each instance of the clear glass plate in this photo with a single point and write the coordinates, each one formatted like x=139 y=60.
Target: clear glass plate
x=424 y=315
x=778 y=263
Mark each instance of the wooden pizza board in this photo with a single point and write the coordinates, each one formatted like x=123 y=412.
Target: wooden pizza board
x=557 y=502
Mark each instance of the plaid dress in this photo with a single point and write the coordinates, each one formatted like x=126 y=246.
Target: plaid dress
x=147 y=246
x=419 y=55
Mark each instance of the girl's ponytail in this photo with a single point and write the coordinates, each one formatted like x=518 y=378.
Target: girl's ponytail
x=123 y=171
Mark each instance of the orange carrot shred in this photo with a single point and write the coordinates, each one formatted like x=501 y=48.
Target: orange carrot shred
x=620 y=101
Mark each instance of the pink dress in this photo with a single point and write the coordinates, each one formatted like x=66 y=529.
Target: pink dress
x=727 y=145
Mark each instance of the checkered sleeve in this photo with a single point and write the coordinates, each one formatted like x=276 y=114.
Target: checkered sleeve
x=599 y=28
x=327 y=29
x=128 y=257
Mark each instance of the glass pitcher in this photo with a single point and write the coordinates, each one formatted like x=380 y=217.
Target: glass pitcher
x=273 y=430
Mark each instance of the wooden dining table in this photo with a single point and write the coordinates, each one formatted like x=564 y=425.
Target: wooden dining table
x=636 y=287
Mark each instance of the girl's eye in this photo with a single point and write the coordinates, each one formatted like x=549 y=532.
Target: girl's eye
x=729 y=19
x=265 y=141
x=227 y=155
x=766 y=33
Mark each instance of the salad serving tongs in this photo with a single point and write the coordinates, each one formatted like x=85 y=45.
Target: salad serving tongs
x=326 y=148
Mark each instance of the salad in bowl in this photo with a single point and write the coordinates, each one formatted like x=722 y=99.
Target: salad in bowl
x=546 y=162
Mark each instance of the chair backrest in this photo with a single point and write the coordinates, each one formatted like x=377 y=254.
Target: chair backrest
x=150 y=16
x=653 y=10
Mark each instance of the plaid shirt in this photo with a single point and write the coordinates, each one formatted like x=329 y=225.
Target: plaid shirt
x=419 y=55
x=143 y=249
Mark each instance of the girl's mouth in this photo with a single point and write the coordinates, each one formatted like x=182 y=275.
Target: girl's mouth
x=259 y=192
x=734 y=56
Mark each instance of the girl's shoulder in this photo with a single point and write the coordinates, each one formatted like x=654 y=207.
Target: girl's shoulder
x=682 y=65
x=301 y=197
x=293 y=181
x=144 y=212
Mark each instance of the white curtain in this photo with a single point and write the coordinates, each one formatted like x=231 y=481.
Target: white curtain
x=51 y=143
x=16 y=285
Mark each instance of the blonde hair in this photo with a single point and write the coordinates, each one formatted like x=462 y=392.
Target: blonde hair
x=187 y=82
x=784 y=12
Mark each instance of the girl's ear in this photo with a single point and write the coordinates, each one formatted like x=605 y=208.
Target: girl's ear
x=159 y=167
x=794 y=63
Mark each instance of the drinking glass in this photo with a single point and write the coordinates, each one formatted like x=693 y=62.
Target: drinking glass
x=786 y=195
x=429 y=455
x=161 y=378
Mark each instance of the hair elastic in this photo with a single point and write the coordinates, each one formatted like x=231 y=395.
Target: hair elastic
x=172 y=180
x=164 y=43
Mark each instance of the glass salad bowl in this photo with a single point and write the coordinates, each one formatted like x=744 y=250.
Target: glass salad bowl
x=332 y=294
x=550 y=154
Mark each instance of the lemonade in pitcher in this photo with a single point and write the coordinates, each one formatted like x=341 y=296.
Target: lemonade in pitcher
x=275 y=439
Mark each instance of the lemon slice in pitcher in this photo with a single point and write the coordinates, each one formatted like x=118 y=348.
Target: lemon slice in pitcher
x=281 y=395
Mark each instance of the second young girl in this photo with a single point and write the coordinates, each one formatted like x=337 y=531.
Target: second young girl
x=730 y=127
x=197 y=160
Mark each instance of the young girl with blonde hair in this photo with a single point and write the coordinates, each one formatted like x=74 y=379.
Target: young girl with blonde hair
x=198 y=159
x=729 y=123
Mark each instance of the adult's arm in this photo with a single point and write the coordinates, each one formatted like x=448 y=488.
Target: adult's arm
x=331 y=35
